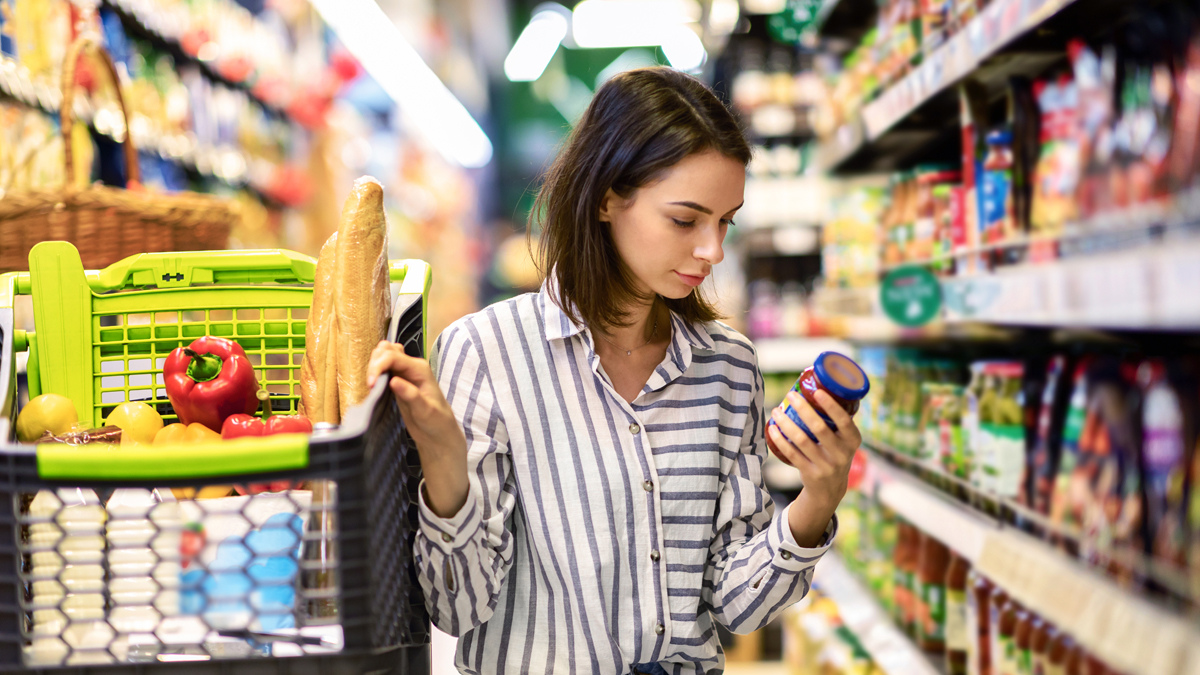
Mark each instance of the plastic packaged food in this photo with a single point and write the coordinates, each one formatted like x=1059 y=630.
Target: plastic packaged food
x=838 y=376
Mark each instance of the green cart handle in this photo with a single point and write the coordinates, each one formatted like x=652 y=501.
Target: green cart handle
x=215 y=459
x=220 y=267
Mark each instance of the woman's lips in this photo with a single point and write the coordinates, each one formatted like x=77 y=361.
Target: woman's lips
x=691 y=280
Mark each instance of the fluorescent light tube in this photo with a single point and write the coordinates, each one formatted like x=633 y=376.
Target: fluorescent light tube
x=536 y=46
x=424 y=101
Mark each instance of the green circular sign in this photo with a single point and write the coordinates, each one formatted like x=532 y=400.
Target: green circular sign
x=789 y=25
x=911 y=296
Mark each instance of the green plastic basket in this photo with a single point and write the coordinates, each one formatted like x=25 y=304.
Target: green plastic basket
x=102 y=336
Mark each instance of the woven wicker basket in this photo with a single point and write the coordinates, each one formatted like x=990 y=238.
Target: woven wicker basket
x=107 y=224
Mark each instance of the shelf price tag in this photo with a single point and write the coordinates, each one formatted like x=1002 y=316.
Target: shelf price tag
x=911 y=296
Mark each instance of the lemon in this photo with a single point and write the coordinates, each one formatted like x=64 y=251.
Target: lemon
x=48 y=412
x=138 y=422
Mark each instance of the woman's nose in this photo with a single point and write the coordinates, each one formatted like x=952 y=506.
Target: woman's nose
x=710 y=249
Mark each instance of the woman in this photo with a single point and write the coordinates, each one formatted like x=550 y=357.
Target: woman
x=593 y=497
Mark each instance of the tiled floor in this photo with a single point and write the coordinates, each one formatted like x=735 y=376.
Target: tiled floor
x=443 y=660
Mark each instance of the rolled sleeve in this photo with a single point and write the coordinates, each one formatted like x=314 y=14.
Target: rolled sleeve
x=449 y=534
x=787 y=555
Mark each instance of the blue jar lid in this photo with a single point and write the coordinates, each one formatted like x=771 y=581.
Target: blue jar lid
x=841 y=376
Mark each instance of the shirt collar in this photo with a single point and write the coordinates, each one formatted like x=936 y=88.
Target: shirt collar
x=559 y=326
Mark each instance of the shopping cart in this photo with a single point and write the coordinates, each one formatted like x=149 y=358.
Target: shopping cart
x=110 y=558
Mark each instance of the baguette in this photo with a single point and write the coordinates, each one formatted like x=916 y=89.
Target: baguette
x=361 y=288
x=320 y=334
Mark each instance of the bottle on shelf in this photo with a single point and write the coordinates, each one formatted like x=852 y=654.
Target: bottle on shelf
x=956 y=631
x=979 y=645
x=933 y=560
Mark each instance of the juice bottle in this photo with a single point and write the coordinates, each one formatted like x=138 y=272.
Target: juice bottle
x=1060 y=648
x=1023 y=638
x=979 y=641
x=932 y=563
x=906 y=567
x=1004 y=627
x=1074 y=661
x=1044 y=635
x=1094 y=666
x=957 y=637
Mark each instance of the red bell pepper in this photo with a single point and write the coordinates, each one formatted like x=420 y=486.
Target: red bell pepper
x=210 y=380
x=237 y=426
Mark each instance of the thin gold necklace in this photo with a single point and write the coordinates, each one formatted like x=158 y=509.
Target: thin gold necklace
x=629 y=352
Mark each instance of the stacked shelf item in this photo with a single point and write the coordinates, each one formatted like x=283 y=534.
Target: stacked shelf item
x=1131 y=633
x=1036 y=164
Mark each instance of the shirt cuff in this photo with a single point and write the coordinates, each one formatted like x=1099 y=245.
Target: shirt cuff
x=448 y=534
x=790 y=556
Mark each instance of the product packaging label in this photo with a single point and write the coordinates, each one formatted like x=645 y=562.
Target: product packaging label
x=957 y=630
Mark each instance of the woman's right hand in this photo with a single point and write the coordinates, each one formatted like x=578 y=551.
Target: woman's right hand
x=440 y=440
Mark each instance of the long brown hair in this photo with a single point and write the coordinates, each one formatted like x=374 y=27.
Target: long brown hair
x=639 y=124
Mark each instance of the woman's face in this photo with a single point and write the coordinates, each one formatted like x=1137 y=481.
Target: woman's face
x=670 y=233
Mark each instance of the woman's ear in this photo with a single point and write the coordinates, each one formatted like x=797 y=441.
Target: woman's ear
x=610 y=203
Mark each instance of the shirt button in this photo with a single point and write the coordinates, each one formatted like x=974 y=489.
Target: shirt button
x=654 y=555
x=648 y=486
x=785 y=555
x=660 y=629
x=634 y=428
x=447 y=538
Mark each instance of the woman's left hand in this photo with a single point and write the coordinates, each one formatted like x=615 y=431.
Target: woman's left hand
x=824 y=466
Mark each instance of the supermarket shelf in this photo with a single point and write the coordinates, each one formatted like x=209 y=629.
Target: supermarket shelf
x=792 y=355
x=137 y=24
x=877 y=141
x=891 y=650
x=1146 y=287
x=1127 y=631
x=226 y=164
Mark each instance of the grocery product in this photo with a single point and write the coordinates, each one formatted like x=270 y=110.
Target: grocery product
x=1057 y=173
x=46 y=413
x=1044 y=634
x=1164 y=462
x=979 y=631
x=1048 y=434
x=186 y=434
x=999 y=442
x=1113 y=505
x=996 y=219
x=906 y=561
x=836 y=375
x=1023 y=641
x=957 y=629
x=239 y=425
x=933 y=561
x=1066 y=502
x=1003 y=626
x=210 y=380
x=318 y=373
x=361 y=288
x=139 y=422
x=1061 y=646
x=108 y=434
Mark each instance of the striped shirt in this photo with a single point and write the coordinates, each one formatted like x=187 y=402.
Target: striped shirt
x=599 y=534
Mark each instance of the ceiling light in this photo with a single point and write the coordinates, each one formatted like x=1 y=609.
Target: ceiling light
x=629 y=23
x=536 y=46
x=723 y=16
x=683 y=48
x=424 y=101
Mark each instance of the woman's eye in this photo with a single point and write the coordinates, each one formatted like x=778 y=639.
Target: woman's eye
x=684 y=223
x=729 y=223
